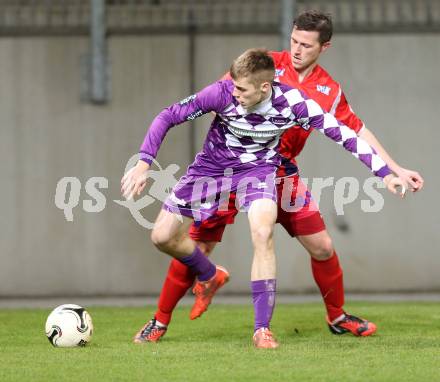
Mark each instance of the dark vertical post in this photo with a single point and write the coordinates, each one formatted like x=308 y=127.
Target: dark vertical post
x=287 y=14
x=98 y=93
x=192 y=79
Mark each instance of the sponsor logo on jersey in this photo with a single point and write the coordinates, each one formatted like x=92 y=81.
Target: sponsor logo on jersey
x=194 y=115
x=279 y=121
x=304 y=122
x=188 y=99
x=323 y=89
x=253 y=133
x=279 y=72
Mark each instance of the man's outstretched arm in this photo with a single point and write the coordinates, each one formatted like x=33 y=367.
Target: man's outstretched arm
x=211 y=98
x=344 y=113
x=413 y=178
x=309 y=114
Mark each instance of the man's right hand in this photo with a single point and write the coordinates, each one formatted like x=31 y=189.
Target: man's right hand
x=135 y=180
x=413 y=178
x=393 y=184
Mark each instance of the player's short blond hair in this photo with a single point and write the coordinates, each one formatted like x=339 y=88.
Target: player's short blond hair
x=255 y=64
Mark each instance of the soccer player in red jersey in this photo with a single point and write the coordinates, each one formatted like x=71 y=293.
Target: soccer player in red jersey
x=299 y=68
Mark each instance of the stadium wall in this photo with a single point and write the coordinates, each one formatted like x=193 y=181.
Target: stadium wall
x=47 y=133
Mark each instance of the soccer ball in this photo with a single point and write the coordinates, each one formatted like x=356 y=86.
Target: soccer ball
x=69 y=325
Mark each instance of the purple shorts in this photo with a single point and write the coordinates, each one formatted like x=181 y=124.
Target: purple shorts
x=200 y=196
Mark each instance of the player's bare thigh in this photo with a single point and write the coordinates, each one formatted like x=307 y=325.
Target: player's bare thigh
x=170 y=234
x=262 y=216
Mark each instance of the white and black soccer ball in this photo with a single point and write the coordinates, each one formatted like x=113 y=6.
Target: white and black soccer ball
x=69 y=325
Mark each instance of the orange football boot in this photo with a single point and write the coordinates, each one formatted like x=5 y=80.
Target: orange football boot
x=150 y=332
x=352 y=324
x=264 y=339
x=205 y=291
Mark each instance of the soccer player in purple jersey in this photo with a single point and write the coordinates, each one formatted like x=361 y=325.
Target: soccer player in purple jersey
x=252 y=111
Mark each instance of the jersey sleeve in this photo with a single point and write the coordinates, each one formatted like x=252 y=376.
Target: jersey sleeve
x=309 y=114
x=211 y=98
x=343 y=112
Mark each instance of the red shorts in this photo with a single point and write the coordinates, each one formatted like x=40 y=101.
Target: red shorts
x=297 y=213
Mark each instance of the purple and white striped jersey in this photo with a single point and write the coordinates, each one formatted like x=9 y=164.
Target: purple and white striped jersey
x=245 y=138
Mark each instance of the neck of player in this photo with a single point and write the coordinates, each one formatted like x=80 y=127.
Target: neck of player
x=264 y=98
x=304 y=72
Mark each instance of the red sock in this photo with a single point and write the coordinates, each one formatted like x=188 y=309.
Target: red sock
x=179 y=279
x=329 y=278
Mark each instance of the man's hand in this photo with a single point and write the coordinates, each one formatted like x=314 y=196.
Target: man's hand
x=135 y=180
x=413 y=178
x=393 y=183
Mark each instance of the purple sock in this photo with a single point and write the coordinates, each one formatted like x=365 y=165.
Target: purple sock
x=199 y=265
x=263 y=297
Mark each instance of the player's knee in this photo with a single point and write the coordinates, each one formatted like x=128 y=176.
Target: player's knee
x=160 y=240
x=323 y=250
x=262 y=234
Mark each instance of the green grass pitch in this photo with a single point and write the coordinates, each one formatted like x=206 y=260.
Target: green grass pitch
x=218 y=347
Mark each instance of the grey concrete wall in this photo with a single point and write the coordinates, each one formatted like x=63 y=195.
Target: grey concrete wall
x=47 y=133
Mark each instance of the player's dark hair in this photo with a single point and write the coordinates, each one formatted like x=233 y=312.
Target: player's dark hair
x=255 y=63
x=317 y=21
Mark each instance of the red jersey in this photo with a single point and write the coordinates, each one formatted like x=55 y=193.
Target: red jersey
x=323 y=89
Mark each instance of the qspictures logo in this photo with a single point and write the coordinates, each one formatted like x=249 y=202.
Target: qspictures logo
x=293 y=195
